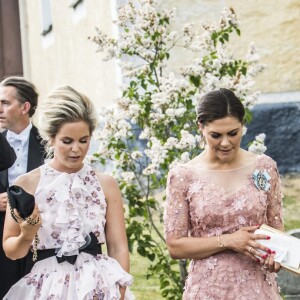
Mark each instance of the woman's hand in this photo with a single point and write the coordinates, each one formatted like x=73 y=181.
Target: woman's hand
x=269 y=264
x=245 y=241
x=30 y=225
x=3 y=201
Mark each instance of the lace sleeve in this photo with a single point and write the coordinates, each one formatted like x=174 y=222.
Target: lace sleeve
x=275 y=195
x=176 y=222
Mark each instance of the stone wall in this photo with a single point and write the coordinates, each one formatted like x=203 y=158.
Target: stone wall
x=289 y=282
x=281 y=124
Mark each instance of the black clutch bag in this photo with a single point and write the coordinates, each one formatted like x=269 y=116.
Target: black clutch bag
x=21 y=201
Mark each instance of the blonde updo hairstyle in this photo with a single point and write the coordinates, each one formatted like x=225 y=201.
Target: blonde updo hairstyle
x=64 y=105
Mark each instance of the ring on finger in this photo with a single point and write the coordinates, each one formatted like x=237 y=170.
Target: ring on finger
x=32 y=221
x=250 y=250
x=264 y=267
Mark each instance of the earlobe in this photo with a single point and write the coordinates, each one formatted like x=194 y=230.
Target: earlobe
x=26 y=108
x=200 y=126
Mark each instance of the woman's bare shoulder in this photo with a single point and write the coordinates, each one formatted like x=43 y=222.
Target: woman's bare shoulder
x=106 y=181
x=109 y=185
x=29 y=181
x=248 y=155
x=197 y=161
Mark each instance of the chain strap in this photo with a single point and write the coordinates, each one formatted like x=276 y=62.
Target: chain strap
x=36 y=241
x=31 y=222
x=13 y=213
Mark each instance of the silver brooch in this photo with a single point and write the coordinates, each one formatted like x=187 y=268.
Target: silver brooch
x=261 y=179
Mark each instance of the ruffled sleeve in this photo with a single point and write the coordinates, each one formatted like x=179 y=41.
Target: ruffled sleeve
x=176 y=213
x=274 y=198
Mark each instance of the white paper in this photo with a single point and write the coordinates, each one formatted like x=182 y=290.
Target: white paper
x=287 y=248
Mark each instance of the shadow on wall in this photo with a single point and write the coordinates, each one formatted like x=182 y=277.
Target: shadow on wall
x=281 y=124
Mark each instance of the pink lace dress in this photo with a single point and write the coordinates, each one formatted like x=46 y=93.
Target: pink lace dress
x=205 y=203
x=71 y=206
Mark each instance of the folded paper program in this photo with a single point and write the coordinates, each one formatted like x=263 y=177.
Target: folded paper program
x=286 y=247
x=281 y=252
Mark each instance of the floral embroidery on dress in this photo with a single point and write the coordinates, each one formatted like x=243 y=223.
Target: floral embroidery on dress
x=214 y=231
x=239 y=203
x=72 y=206
x=211 y=263
x=196 y=206
x=256 y=288
x=241 y=220
x=242 y=276
x=194 y=188
x=269 y=278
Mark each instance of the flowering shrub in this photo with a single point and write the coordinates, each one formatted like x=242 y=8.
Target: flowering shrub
x=153 y=125
x=258 y=145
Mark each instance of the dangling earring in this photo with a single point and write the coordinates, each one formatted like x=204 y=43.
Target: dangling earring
x=202 y=142
x=50 y=151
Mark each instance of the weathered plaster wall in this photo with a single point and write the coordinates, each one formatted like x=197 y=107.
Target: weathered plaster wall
x=67 y=56
x=273 y=25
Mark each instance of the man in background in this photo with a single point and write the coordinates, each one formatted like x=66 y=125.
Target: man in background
x=18 y=101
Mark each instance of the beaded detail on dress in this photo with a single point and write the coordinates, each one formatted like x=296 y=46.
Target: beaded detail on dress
x=204 y=203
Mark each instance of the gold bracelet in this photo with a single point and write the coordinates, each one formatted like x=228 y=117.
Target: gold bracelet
x=220 y=242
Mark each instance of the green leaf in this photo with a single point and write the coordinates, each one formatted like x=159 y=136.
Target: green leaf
x=151 y=256
x=196 y=80
x=214 y=36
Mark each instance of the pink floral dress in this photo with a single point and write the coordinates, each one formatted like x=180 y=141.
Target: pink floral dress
x=71 y=206
x=205 y=203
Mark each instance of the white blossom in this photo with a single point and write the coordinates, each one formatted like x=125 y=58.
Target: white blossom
x=187 y=140
x=128 y=176
x=136 y=154
x=258 y=146
x=171 y=143
x=175 y=162
x=185 y=157
x=228 y=17
x=150 y=169
x=145 y=134
x=162 y=98
x=261 y=137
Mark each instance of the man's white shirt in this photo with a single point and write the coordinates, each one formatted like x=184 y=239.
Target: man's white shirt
x=20 y=143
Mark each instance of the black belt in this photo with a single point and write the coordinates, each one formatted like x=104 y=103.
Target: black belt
x=91 y=247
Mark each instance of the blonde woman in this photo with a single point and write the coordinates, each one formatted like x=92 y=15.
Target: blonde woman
x=77 y=209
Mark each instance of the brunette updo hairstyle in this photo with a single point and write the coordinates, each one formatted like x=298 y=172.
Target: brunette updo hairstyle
x=219 y=104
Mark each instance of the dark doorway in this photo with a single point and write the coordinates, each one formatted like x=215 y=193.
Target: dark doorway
x=10 y=39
